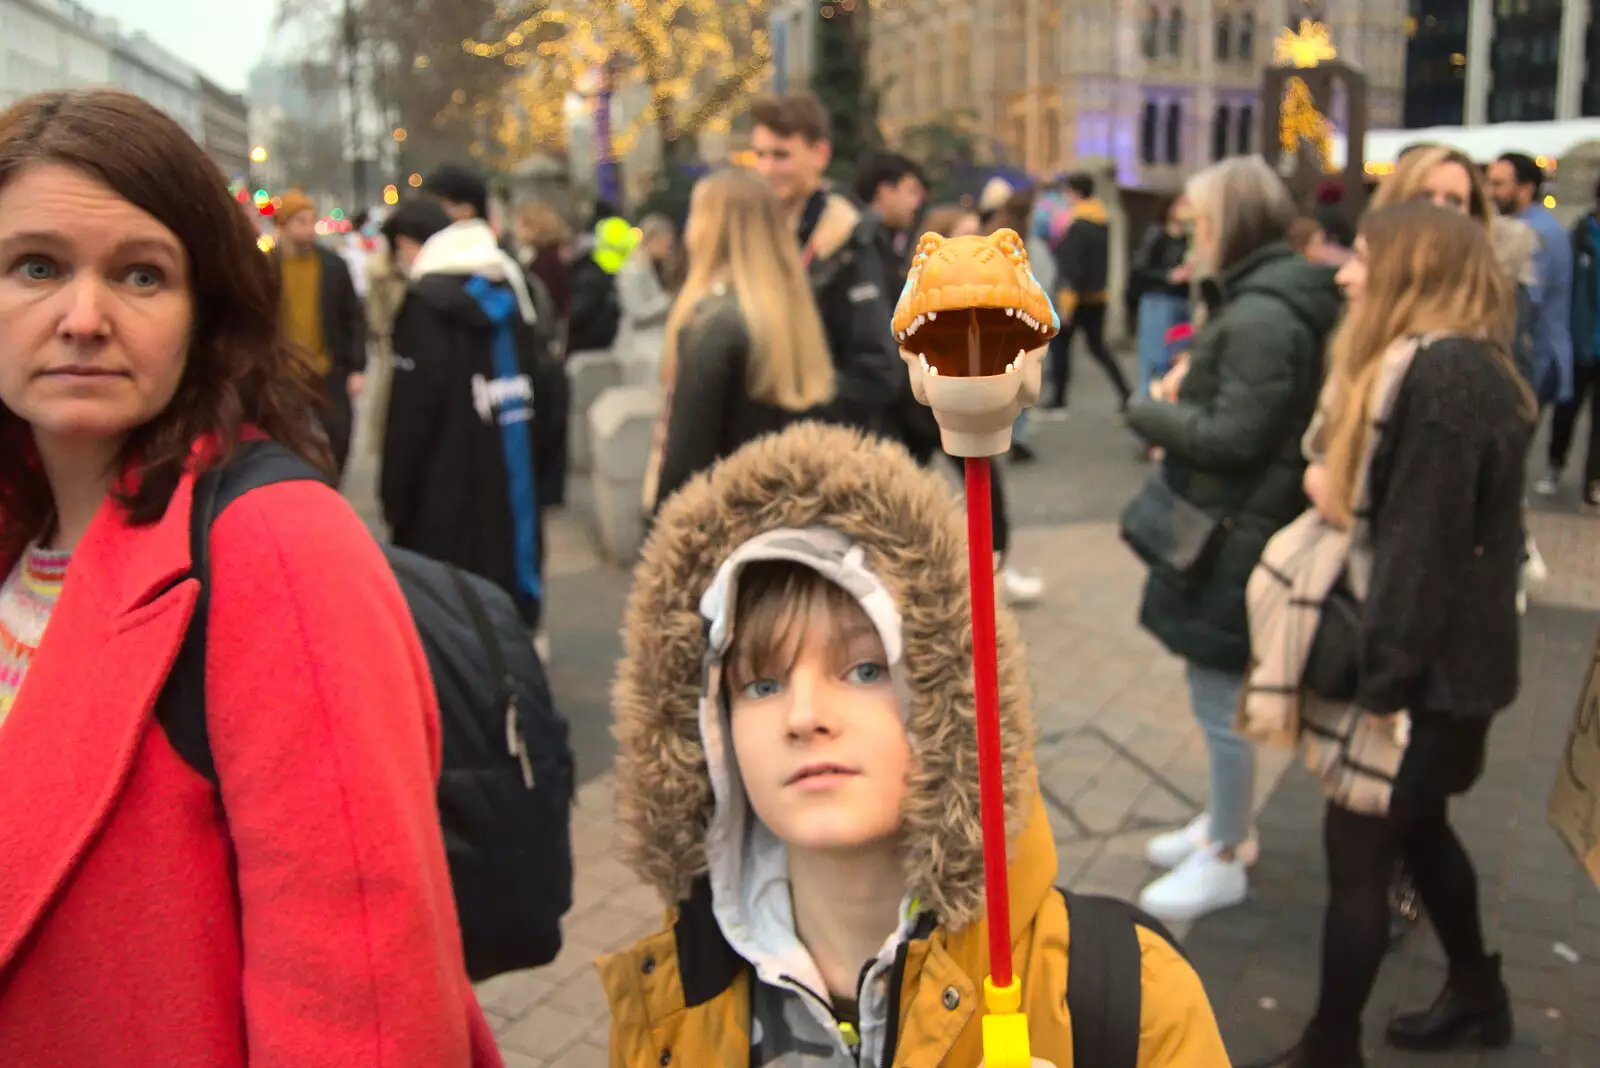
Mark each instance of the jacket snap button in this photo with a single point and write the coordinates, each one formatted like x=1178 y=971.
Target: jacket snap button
x=665 y=1058
x=952 y=998
x=1477 y=550
x=649 y=968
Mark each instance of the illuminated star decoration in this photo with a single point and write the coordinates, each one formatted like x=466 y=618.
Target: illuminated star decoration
x=1304 y=48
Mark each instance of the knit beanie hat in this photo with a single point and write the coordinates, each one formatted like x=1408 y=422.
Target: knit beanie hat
x=294 y=202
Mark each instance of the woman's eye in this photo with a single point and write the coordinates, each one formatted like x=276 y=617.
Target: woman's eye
x=868 y=674
x=36 y=269
x=145 y=277
x=759 y=688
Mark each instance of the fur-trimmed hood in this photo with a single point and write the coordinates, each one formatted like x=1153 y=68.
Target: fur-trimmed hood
x=910 y=530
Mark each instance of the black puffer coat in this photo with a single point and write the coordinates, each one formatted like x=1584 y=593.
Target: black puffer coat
x=1232 y=440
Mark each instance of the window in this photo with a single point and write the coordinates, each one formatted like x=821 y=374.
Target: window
x=1150 y=33
x=1224 y=42
x=1247 y=126
x=1174 y=132
x=1147 y=133
x=1221 y=131
x=1175 y=30
x=1247 y=36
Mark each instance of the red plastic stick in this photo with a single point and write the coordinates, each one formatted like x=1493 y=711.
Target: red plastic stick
x=986 y=692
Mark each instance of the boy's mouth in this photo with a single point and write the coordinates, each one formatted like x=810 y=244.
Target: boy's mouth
x=812 y=772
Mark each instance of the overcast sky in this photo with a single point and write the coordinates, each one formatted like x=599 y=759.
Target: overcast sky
x=222 y=39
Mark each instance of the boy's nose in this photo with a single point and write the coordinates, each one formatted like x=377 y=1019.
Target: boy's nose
x=807 y=703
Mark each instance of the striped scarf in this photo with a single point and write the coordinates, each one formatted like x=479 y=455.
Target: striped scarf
x=1356 y=755
x=27 y=598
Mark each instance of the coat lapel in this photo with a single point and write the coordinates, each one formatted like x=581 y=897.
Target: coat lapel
x=70 y=741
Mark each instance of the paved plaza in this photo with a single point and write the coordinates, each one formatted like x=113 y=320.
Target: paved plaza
x=1119 y=758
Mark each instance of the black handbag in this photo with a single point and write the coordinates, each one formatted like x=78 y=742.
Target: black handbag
x=1333 y=665
x=1173 y=537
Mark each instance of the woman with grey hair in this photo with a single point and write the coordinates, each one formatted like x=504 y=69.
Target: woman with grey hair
x=1229 y=423
x=645 y=292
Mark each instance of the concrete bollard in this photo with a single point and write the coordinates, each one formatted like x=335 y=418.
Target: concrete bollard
x=621 y=425
x=590 y=374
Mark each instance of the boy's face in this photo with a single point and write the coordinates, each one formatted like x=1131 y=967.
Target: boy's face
x=821 y=747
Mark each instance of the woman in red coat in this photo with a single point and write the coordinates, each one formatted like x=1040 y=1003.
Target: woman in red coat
x=307 y=920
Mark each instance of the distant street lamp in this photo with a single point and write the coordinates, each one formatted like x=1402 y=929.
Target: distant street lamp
x=258 y=154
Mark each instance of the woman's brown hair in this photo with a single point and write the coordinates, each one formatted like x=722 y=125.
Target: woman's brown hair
x=1429 y=271
x=240 y=370
x=941 y=219
x=545 y=228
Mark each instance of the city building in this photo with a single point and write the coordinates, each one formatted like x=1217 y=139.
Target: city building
x=1470 y=62
x=49 y=44
x=225 y=123
x=145 y=69
x=1159 y=87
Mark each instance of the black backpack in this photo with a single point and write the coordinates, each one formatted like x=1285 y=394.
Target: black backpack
x=506 y=790
x=1104 y=992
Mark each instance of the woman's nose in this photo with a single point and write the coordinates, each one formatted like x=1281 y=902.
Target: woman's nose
x=85 y=315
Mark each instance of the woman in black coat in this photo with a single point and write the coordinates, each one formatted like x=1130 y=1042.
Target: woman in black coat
x=1437 y=650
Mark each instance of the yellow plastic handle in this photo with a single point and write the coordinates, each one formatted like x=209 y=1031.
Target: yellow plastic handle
x=1005 y=1026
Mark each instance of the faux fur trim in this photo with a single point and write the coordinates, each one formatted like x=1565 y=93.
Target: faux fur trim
x=914 y=534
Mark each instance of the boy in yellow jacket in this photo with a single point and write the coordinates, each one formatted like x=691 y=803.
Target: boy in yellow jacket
x=798 y=778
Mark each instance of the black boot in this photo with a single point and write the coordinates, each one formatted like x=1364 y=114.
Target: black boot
x=1317 y=1049
x=1472 y=1007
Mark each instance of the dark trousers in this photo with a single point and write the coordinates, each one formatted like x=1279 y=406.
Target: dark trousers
x=1362 y=851
x=997 y=501
x=338 y=418
x=1091 y=319
x=1564 y=424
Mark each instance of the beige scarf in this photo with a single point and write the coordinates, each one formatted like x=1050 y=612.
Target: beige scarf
x=1356 y=755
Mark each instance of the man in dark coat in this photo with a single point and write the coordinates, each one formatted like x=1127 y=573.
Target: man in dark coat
x=470 y=413
x=322 y=315
x=839 y=247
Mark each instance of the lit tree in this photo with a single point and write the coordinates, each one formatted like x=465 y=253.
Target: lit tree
x=696 y=58
x=842 y=84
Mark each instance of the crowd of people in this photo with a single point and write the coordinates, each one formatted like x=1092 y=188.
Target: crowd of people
x=1337 y=412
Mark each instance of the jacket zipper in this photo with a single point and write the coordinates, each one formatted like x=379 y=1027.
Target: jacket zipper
x=847 y=1030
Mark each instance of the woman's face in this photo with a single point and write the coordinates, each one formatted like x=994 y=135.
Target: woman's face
x=95 y=308
x=660 y=246
x=1205 y=242
x=1352 y=277
x=1448 y=186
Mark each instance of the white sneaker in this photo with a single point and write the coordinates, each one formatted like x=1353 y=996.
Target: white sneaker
x=1173 y=848
x=1535 y=567
x=1199 y=886
x=1018 y=588
x=1550 y=484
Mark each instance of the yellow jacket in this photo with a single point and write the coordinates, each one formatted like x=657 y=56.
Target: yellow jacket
x=683 y=997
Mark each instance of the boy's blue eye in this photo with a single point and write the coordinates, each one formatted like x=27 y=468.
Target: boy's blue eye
x=759 y=688
x=868 y=673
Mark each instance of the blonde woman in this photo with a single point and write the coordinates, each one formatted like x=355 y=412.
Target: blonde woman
x=745 y=352
x=1418 y=455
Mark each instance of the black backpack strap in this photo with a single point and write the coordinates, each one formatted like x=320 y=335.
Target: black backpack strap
x=1104 y=992
x=181 y=706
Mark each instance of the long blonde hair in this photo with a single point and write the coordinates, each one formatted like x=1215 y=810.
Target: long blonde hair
x=740 y=235
x=1411 y=173
x=1429 y=271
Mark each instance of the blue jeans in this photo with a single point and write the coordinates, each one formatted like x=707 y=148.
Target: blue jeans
x=1158 y=313
x=1019 y=429
x=1215 y=697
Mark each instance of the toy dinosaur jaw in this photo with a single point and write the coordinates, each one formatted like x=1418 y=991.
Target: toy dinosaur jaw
x=971 y=306
x=974 y=342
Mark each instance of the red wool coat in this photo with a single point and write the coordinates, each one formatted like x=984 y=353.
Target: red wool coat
x=127 y=937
